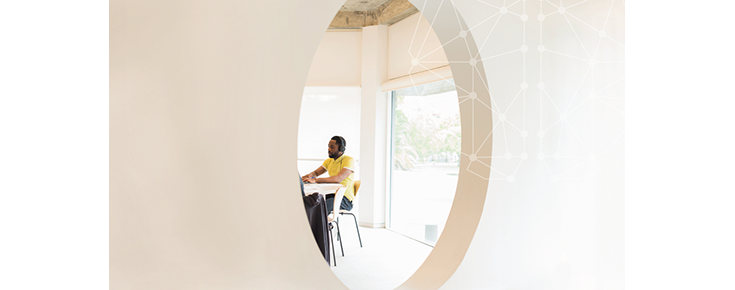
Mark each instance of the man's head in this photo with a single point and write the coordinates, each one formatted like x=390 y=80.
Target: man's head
x=336 y=147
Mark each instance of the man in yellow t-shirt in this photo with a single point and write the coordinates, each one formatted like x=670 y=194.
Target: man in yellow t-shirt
x=341 y=169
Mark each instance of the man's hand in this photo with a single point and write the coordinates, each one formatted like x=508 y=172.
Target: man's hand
x=309 y=178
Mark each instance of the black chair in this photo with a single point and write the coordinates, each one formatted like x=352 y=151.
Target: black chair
x=316 y=212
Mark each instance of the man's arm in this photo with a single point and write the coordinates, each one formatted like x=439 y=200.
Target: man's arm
x=337 y=178
x=311 y=176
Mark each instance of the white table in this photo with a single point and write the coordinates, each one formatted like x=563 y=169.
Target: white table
x=327 y=188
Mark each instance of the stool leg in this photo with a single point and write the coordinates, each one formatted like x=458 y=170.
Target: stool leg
x=358 y=229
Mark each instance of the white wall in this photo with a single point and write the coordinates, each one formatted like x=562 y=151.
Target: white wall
x=337 y=61
x=204 y=108
x=373 y=127
x=412 y=38
x=325 y=112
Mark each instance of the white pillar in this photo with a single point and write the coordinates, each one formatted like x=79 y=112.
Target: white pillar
x=373 y=127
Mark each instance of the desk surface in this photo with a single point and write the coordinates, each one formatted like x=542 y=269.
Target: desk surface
x=327 y=188
x=323 y=188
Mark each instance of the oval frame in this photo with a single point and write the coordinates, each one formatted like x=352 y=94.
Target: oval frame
x=476 y=127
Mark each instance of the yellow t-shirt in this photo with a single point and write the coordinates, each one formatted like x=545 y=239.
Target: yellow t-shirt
x=335 y=166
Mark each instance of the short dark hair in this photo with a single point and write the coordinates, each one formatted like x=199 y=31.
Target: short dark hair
x=341 y=142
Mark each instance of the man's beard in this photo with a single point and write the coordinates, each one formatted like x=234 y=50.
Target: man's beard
x=334 y=156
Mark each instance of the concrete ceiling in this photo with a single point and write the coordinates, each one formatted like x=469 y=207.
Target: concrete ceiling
x=362 y=5
x=361 y=13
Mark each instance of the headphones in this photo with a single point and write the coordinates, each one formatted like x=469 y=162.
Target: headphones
x=342 y=143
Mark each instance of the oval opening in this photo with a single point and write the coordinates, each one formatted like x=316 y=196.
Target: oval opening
x=389 y=89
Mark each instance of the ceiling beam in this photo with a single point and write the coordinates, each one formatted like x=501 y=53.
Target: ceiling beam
x=388 y=13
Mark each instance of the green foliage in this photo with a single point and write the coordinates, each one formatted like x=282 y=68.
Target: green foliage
x=404 y=154
x=424 y=137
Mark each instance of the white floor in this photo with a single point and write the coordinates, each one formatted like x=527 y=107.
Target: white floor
x=386 y=260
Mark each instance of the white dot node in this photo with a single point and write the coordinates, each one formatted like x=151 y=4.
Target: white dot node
x=473 y=61
x=502 y=117
x=473 y=95
x=602 y=34
x=473 y=157
x=508 y=156
x=524 y=17
x=562 y=10
x=541 y=85
x=557 y=155
x=593 y=96
x=524 y=134
x=554 y=179
x=541 y=156
x=503 y=10
x=511 y=178
x=524 y=156
x=541 y=17
x=563 y=117
x=593 y=157
x=541 y=48
x=593 y=62
x=524 y=48
x=463 y=33
x=415 y=61
x=541 y=134
x=524 y=85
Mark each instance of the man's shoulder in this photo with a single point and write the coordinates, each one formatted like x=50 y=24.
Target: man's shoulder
x=348 y=161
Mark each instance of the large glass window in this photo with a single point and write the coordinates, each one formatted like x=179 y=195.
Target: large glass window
x=425 y=159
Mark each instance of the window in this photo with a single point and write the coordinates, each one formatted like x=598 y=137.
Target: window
x=425 y=153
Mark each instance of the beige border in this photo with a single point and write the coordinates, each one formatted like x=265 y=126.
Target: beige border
x=476 y=120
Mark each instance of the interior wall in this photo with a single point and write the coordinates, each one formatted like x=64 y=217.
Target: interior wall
x=412 y=38
x=204 y=108
x=315 y=129
x=338 y=60
x=373 y=124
